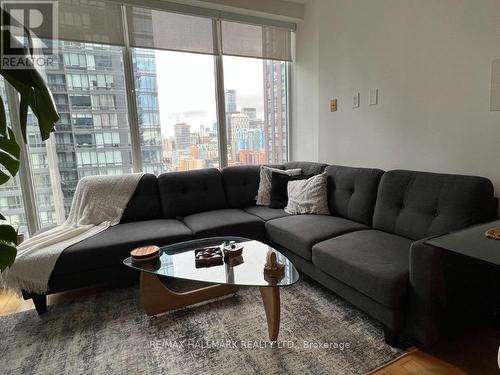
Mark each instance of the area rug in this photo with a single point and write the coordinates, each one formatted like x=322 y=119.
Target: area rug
x=107 y=333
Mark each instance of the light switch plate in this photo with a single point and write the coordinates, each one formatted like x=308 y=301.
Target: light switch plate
x=373 y=96
x=495 y=86
x=355 y=100
x=333 y=105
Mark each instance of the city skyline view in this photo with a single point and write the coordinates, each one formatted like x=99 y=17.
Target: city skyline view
x=176 y=108
x=184 y=104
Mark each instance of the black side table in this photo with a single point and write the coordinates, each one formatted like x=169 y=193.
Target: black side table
x=471 y=242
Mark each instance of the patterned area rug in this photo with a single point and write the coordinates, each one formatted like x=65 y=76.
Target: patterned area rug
x=107 y=333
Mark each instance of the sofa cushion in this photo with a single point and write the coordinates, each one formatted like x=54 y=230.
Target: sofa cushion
x=145 y=202
x=298 y=233
x=241 y=184
x=112 y=246
x=307 y=167
x=352 y=192
x=186 y=193
x=228 y=222
x=373 y=262
x=266 y=213
x=421 y=204
x=264 y=191
x=308 y=196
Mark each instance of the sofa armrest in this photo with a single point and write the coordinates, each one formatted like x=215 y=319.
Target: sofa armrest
x=427 y=297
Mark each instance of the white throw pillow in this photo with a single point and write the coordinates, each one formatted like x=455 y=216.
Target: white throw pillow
x=308 y=196
x=264 y=193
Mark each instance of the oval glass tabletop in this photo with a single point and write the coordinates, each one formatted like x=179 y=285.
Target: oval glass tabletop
x=178 y=261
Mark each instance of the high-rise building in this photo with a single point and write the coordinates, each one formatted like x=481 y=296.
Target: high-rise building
x=238 y=121
x=275 y=111
x=92 y=136
x=250 y=139
x=251 y=157
x=251 y=113
x=148 y=111
x=231 y=108
x=230 y=98
x=182 y=132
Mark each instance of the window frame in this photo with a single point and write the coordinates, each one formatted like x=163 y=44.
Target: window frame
x=26 y=173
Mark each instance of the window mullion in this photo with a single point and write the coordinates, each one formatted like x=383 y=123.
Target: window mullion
x=219 y=94
x=25 y=172
x=289 y=117
x=128 y=65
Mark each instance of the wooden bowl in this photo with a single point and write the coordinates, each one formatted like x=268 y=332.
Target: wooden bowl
x=145 y=252
x=493 y=233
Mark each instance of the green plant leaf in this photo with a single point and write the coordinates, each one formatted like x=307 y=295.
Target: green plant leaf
x=39 y=99
x=8 y=254
x=3 y=119
x=4 y=178
x=10 y=163
x=8 y=233
x=10 y=145
x=23 y=113
x=9 y=154
x=45 y=110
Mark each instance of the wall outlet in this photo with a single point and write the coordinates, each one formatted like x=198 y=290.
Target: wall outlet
x=333 y=105
x=355 y=100
x=373 y=96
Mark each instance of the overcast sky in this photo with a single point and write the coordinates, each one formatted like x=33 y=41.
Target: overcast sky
x=186 y=83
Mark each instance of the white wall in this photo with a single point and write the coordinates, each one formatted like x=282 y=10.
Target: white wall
x=305 y=89
x=431 y=61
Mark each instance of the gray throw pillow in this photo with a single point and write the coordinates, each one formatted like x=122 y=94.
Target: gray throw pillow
x=264 y=192
x=308 y=196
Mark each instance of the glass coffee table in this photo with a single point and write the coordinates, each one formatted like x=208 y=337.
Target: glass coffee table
x=173 y=280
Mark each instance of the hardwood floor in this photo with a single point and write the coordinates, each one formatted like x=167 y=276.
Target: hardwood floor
x=10 y=304
x=418 y=362
x=474 y=353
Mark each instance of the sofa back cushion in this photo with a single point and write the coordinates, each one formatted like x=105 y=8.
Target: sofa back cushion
x=186 y=193
x=421 y=204
x=145 y=202
x=241 y=184
x=352 y=192
x=307 y=167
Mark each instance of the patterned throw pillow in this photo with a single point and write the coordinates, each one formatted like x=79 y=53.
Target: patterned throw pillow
x=279 y=188
x=264 y=193
x=308 y=196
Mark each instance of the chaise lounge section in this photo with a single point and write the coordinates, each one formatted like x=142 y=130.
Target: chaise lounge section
x=369 y=250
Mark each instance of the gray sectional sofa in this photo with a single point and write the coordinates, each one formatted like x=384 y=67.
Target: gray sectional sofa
x=370 y=250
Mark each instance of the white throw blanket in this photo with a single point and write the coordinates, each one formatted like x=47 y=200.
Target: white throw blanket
x=98 y=203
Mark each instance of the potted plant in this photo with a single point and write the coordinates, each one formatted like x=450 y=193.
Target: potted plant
x=34 y=94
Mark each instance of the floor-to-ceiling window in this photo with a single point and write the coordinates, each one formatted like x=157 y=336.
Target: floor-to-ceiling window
x=142 y=89
x=256 y=110
x=92 y=136
x=11 y=197
x=176 y=107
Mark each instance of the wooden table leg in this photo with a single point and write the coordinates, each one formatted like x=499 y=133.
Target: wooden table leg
x=157 y=298
x=271 y=299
